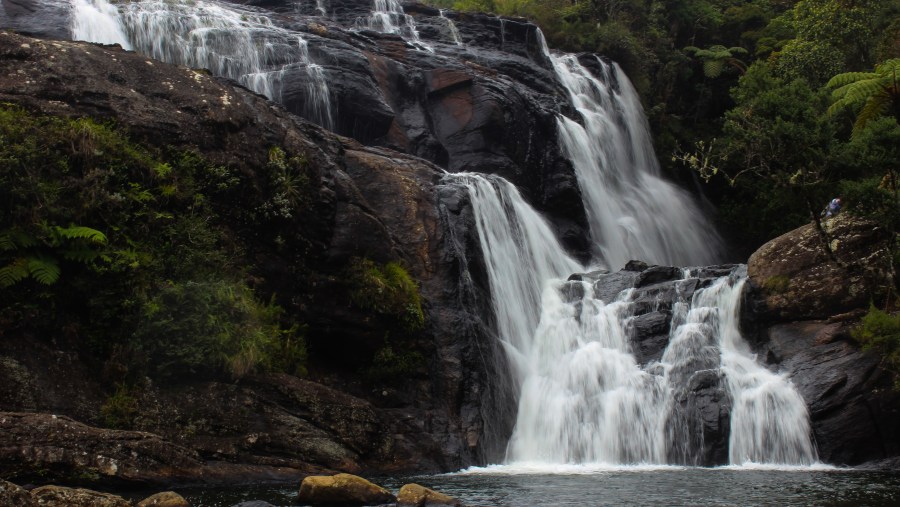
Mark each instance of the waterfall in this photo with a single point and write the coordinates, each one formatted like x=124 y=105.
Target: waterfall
x=632 y=212
x=97 y=21
x=320 y=6
x=388 y=17
x=240 y=44
x=454 y=32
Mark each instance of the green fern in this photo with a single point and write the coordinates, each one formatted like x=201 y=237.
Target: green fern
x=13 y=273
x=43 y=269
x=81 y=232
x=874 y=94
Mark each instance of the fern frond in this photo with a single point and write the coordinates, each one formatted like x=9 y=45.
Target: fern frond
x=43 y=269
x=713 y=68
x=6 y=242
x=875 y=107
x=13 y=273
x=14 y=239
x=850 y=78
x=80 y=232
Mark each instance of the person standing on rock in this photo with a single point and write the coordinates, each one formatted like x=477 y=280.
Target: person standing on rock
x=832 y=208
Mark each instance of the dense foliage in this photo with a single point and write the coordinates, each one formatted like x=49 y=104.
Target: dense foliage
x=758 y=97
x=880 y=331
x=130 y=255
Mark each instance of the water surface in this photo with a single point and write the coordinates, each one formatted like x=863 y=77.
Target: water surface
x=524 y=486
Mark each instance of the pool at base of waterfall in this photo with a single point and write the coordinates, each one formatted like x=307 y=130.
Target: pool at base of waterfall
x=561 y=485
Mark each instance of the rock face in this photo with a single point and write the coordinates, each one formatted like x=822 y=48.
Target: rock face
x=369 y=202
x=799 y=280
x=342 y=489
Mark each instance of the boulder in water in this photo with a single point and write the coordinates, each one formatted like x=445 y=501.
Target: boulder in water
x=342 y=489
x=58 y=496
x=414 y=495
x=164 y=499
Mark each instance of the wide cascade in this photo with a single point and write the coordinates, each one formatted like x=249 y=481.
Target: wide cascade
x=583 y=394
x=231 y=41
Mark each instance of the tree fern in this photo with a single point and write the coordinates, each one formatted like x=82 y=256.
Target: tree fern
x=874 y=94
x=716 y=57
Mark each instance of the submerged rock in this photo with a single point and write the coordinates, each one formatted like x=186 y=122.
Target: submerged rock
x=342 y=489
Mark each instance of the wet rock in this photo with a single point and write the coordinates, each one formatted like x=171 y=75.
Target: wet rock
x=797 y=279
x=608 y=287
x=13 y=495
x=164 y=499
x=414 y=495
x=634 y=265
x=657 y=274
x=253 y=503
x=852 y=404
x=650 y=334
x=57 y=496
x=342 y=489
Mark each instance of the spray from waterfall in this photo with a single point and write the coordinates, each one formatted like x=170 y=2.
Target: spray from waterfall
x=97 y=21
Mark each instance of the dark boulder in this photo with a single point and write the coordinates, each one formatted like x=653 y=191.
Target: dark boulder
x=798 y=279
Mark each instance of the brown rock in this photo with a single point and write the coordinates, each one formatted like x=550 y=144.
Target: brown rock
x=57 y=496
x=164 y=499
x=342 y=489
x=420 y=496
x=799 y=280
x=10 y=494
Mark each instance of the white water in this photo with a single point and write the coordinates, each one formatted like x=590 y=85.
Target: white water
x=240 y=44
x=454 y=32
x=632 y=212
x=583 y=398
x=388 y=17
x=97 y=21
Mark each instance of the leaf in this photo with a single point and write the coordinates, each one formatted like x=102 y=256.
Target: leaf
x=43 y=269
x=81 y=254
x=713 y=68
x=80 y=232
x=849 y=78
x=13 y=273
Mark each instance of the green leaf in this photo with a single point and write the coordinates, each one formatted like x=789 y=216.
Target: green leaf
x=13 y=273
x=79 y=232
x=43 y=269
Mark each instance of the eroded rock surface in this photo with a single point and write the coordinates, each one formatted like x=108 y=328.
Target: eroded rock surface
x=342 y=489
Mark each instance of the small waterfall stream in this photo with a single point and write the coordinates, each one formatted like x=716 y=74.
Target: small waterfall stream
x=388 y=17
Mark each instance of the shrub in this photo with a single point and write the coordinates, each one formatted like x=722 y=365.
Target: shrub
x=880 y=331
x=387 y=290
x=393 y=366
x=209 y=328
x=120 y=409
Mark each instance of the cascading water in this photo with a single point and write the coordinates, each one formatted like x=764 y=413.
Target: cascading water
x=582 y=395
x=240 y=44
x=388 y=17
x=454 y=32
x=97 y=21
x=632 y=212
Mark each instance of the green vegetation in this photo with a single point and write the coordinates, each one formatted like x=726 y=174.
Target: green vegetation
x=392 y=366
x=387 y=290
x=138 y=256
x=120 y=409
x=880 y=331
